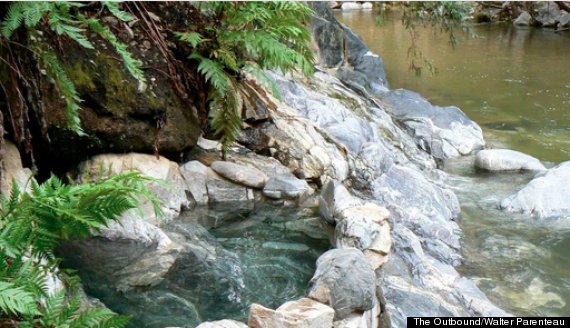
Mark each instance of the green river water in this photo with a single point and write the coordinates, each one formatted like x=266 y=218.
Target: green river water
x=515 y=83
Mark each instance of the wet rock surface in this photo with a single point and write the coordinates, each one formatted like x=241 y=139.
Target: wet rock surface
x=506 y=160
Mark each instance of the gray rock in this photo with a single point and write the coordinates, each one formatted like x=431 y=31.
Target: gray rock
x=547 y=13
x=220 y=191
x=226 y=323
x=356 y=232
x=444 y=132
x=328 y=36
x=345 y=281
x=506 y=160
x=240 y=174
x=378 y=252
x=546 y=196
x=195 y=174
x=524 y=19
x=333 y=199
x=12 y=169
x=351 y=6
x=564 y=20
x=304 y=313
x=286 y=187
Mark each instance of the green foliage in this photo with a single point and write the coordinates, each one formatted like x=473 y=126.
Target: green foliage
x=64 y=19
x=31 y=226
x=249 y=38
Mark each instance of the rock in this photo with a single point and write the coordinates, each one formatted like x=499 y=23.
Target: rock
x=315 y=228
x=367 y=5
x=196 y=174
x=546 y=196
x=547 y=13
x=117 y=118
x=564 y=20
x=351 y=6
x=369 y=211
x=345 y=281
x=12 y=168
x=444 y=132
x=304 y=313
x=524 y=19
x=333 y=199
x=173 y=197
x=506 y=160
x=286 y=187
x=378 y=252
x=207 y=144
x=220 y=191
x=368 y=319
x=240 y=174
x=328 y=35
x=226 y=323
x=356 y=232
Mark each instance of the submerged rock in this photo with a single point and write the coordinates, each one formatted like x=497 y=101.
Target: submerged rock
x=506 y=160
x=345 y=281
x=546 y=196
x=304 y=313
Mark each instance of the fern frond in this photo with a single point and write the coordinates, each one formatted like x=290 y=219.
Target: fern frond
x=213 y=72
x=113 y=7
x=15 y=300
x=66 y=88
x=14 y=18
x=227 y=123
x=193 y=38
x=134 y=66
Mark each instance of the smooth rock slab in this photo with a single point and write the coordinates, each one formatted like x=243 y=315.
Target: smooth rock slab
x=344 y=280
x=546 y=196
x=286 y=187
x=240 y=174
x=226 y=323
x=304 y=313
x=196 y=174
x=506 y=160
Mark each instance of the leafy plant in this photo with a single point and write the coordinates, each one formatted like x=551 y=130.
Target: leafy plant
x=31 y=225
x=241 y=39
x=66 y=20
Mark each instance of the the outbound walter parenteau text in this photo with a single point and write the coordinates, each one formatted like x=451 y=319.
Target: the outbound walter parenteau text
x=464 y=321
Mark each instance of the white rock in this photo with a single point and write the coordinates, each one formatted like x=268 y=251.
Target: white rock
x=195 y=174
x=304 y=313
x=12 y=168
x=226 y=323
x=240 y=174
x=207 y=144
x=506 y=160
x=378 y=252
x=351 y=6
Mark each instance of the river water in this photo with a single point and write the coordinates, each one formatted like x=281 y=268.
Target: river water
x=514 y=82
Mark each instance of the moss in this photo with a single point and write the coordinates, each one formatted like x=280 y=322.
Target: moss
x=82 y=76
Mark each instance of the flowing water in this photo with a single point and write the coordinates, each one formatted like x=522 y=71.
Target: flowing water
x=515 y=83
x=230 y=259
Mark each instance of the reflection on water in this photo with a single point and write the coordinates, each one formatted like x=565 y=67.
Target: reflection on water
x=515 y=84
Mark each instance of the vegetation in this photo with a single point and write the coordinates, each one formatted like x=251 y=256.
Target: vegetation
x=249 y=38
x=31 y=226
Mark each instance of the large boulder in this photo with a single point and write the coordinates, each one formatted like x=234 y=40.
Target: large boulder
x=172 y=195
x=524 y=19
x=506 y=160
x=547 y=13
x=546 y=196
x=196 y=174
x=344 y=280
x=444 y=132
x=304 y=313
x=12 y=169
x=333 y=199
x=286 y=187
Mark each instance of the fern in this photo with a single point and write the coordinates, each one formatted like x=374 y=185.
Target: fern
x=31 y=225
x=65 y=20
x=251 y=37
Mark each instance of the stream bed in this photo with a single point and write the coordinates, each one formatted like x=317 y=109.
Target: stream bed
x=231 y=257
x=509 y=80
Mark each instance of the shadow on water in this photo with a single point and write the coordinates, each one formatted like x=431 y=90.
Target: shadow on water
x=231 y=257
